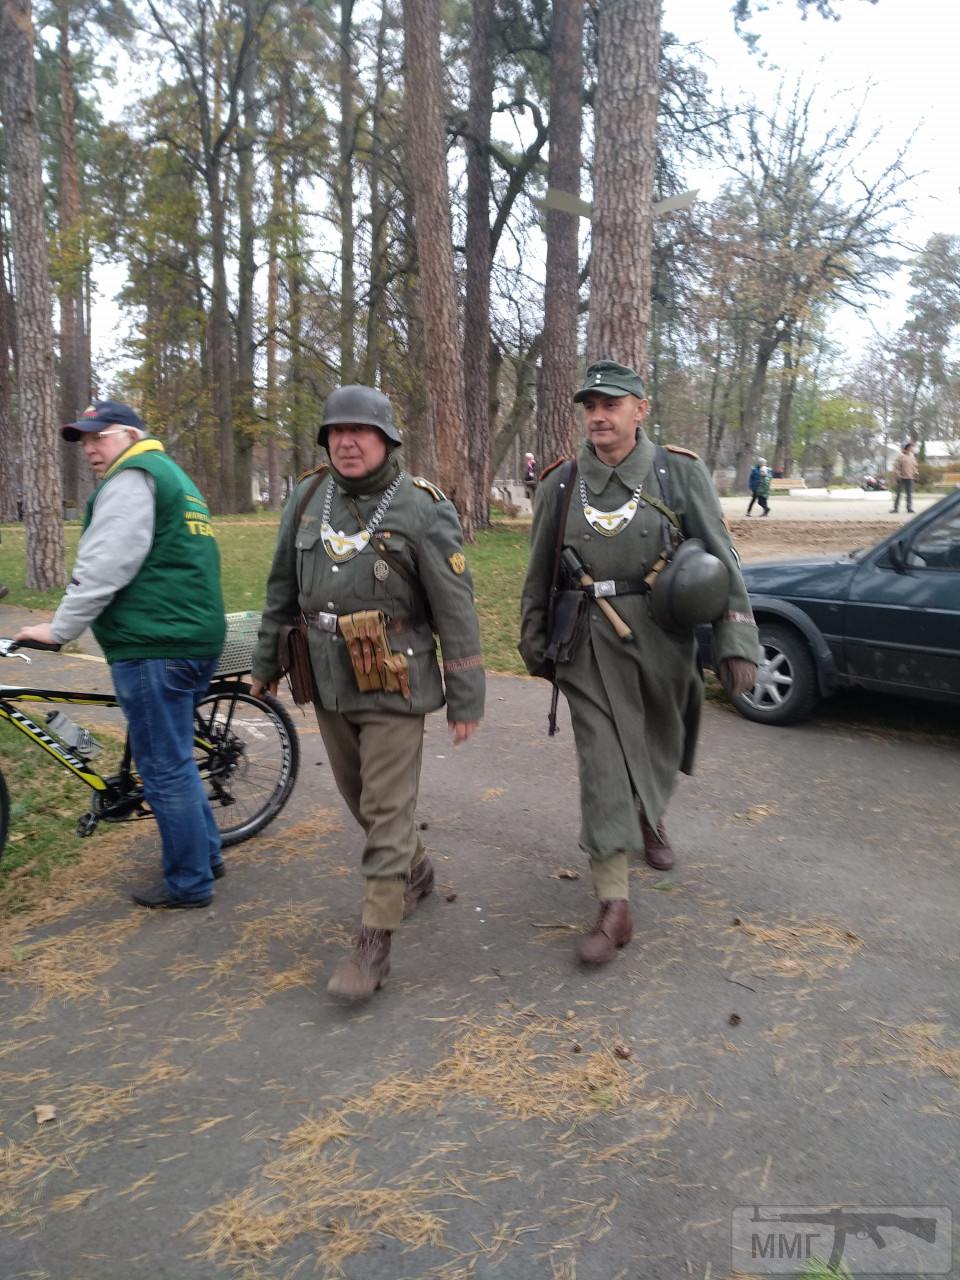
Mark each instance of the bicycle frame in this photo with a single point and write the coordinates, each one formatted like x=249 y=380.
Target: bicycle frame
x=119 y=797
x=80 y=768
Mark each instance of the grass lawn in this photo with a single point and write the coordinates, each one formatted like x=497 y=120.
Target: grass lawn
x=45 y=801
x=497 y=560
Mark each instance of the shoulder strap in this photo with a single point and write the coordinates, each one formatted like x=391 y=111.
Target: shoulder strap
x=671 y=528
x=311 y=489
x=564 y=494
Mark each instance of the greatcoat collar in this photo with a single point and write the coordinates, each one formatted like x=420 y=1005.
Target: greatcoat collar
x=630 y=471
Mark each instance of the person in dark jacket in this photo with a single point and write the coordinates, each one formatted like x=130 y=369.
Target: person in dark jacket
x=146 y=580
x=753 y=484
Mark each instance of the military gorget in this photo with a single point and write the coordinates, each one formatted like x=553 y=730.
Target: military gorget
x=610 y=523
x=341 y=546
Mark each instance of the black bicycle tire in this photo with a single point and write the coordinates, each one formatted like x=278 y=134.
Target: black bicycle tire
x=4 y=814
x=279 y=717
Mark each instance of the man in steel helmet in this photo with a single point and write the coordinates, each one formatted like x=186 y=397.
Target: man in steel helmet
x=635 y=703
x=373 y=559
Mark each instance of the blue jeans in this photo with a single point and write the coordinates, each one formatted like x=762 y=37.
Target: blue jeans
x=158 y=697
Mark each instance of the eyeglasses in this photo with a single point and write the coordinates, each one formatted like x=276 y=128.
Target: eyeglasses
x=94 y=437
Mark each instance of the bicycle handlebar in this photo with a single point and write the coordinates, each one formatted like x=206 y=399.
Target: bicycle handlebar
x=9 y=647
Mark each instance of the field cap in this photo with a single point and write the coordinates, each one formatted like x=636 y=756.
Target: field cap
x=607 y=378
x=101 y=414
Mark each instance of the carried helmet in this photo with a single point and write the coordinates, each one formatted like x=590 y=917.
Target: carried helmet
x=694 y=588
x=364 y=406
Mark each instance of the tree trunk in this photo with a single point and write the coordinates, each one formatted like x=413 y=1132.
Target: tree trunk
x=623 y=173
x=378 y=216
x=556 y=417
x=476 y=325
x=74 y=390
x=521 y=411
x=36 y=386
x=9 y=434
x=345 y=144
x=219 y=346
x=747 y=439
x=244 y=409
x=444 y=360
x=783 y=449
x=273 y=293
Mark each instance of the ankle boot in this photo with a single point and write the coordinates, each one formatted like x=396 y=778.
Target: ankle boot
x=364 y=970
x=613 y=928
x=419 y=885
x=656 y=846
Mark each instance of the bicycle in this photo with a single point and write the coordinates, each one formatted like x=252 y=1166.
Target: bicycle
x=246 y=748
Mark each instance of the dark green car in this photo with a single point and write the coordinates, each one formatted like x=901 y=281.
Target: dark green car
x=886 y=619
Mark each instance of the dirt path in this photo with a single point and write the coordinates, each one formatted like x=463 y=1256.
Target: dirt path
x=766 y=540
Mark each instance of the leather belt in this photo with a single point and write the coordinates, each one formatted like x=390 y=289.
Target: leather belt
x=328 y=622
x=616 y=587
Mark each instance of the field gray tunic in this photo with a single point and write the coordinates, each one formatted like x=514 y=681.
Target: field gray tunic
x=635 y=706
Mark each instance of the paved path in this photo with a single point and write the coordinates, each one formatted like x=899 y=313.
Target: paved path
x=782 y=1030
x=841 y=505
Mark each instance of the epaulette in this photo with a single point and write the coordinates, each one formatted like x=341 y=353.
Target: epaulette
x=423 y=483
x=552 y=467
x=676 y=448
x=314 y=471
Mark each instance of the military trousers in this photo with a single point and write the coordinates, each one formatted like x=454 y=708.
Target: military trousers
x=375 y=757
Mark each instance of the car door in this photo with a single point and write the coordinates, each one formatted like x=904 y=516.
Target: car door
x=902 y=617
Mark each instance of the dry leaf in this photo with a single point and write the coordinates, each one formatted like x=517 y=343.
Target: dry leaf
x=622 y=1051
x=565 y=873
x=734 y=1019
x=44 y=1111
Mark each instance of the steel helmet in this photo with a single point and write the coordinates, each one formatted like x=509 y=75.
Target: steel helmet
x=692 y=589
x=362 y=405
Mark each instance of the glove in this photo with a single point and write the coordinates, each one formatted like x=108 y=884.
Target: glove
x=737 y=675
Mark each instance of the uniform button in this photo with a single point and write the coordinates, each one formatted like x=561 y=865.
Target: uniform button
x=409 y=653
x=331 y=605
x=586 y=537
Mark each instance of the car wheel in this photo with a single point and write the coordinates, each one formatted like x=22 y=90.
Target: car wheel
x=786 y=689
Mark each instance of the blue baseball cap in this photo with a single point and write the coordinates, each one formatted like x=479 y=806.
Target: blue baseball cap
x=101 y=414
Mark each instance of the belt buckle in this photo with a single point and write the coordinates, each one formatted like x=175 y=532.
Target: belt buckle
x=607 y=587
x=325 y=621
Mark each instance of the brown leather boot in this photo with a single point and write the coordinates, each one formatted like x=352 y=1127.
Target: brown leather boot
x=613 y=928
x=419 y=885
x=364 y=970
x=656 y=846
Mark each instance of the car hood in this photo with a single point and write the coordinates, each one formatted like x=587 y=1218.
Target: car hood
x=813 y=576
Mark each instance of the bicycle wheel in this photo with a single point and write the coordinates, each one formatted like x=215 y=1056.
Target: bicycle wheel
x=248 y=754
x=4 y=814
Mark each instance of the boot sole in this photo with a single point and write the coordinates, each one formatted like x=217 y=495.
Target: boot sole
x=362 y=995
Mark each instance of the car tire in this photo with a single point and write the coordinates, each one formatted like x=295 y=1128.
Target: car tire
x=786 y=690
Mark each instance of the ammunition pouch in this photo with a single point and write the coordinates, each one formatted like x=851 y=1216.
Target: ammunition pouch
x=375 y=665
x=567 y=614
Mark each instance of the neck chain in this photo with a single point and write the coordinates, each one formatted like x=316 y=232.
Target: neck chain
x=610 y=523
x=342 y=546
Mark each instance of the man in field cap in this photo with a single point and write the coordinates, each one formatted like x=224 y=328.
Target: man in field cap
x=146 y=581
x=626 y=506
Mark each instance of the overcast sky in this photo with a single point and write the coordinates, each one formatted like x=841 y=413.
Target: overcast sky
x=906 y=51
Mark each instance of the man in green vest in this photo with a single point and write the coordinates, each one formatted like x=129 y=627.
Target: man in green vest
x=146 y=580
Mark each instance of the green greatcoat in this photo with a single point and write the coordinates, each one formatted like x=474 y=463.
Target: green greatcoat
x=421 y=530
x=635 y=706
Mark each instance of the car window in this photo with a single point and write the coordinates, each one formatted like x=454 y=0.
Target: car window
x=938 y=545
